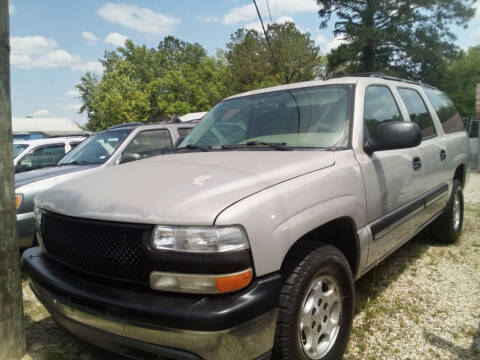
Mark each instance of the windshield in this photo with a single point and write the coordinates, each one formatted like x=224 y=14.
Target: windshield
x=315 y=117
x=96 y=149
x=18 y=148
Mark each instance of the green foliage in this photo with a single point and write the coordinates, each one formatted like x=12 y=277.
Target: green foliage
x=177 y=77
x=458 y=77
x=295 y=57
x=400 y=37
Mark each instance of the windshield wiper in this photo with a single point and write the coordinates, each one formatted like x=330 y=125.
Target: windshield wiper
x=192 y=147
x=276 y=146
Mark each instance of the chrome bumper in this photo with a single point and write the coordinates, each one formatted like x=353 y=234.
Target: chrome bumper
x=247 y=341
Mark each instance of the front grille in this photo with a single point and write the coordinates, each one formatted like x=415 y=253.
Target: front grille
x=107 y=249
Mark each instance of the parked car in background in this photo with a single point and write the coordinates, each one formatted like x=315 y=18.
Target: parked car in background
x=117 y=145
x=36 y=154
x=245 y=242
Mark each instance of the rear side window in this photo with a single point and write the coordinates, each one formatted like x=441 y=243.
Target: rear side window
x=446 y=111
x=418 y=111
x=380 y=106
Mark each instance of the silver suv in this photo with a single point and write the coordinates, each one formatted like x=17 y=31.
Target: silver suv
x=245 y=243
x=117 y=145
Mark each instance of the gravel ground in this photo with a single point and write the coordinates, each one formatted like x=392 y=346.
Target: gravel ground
x=423 y=302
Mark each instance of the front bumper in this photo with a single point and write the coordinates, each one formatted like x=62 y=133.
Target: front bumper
x=25 y=229
x=239 y=326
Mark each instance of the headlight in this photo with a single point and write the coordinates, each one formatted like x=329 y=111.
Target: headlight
x=37 y=217
x=18 y=200
x=199 y=239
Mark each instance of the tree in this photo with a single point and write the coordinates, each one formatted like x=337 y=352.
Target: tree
x=12 y=338
x=141 y=84
x=296 y=57
x=402 y=37
x=458 y=77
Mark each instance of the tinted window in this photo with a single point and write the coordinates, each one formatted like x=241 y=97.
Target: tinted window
x=18 y=148
x=97 y=148
x=73 y=145
x=41 y=157
x=446 y=111
x=184 y=131
x=150 y=143
x=380 y=106
x=305 y=117
x=418 y=111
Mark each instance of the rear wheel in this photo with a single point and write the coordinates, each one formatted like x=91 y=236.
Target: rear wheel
x=448 y=226
x=316 y=306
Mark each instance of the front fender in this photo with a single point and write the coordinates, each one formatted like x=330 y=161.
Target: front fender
x=277 y=217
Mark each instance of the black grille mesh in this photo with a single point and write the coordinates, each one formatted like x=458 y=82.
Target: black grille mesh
x=95 y=247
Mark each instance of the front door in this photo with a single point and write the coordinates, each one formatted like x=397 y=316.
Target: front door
x=393 y=178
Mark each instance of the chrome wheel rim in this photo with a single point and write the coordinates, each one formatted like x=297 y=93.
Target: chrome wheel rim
x=457 y=211
x=320 y=314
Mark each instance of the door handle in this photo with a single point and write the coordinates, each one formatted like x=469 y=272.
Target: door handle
x=416 y=163
x=443 y=154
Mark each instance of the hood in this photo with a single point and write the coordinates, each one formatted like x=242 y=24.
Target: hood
x=45 y=173
x=178 y=189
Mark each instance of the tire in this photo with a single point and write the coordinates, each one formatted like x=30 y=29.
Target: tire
x=322 y=268
x=448 y=226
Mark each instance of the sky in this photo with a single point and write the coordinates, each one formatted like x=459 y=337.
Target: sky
x=54 y=42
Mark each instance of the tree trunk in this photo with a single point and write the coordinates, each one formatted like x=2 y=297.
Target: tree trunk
x=12 y=338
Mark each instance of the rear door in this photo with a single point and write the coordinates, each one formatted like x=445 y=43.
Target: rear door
x=393 y=178
x=432 y=151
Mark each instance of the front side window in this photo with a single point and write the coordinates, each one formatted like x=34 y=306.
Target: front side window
x=418 y=111
x=41 y=157
x=316 y=117
x=446 y=111
x=150 y=143
x=380 y=106
x=96 y=149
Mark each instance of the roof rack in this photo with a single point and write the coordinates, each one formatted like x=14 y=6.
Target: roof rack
x=384 y=76
x=126 y=125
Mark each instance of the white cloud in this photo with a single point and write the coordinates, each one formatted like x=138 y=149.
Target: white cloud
x=475 y=34
x=207 y=19
x=75 y=107
x=328 y=45
x=40 y=113
x=73 y=93
x=280 y=8
x=116 y=39
x=137 y=18
x=12 y=9
x=30 y=52
x=90 y=37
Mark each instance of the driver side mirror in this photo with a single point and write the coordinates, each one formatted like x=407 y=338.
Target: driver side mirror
x=129 y=157
x=22 y=168
x=395 y=135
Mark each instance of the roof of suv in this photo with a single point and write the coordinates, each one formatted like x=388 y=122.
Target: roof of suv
x=142 y=126
x=344 y=79
x=49 y=140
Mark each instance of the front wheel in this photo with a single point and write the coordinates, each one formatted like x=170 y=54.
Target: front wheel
x=316 y=306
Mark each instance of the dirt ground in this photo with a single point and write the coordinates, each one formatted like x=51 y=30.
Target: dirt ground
x=423 y=302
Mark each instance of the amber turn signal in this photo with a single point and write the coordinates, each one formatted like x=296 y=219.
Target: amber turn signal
x=233 y=282
x=18 y=200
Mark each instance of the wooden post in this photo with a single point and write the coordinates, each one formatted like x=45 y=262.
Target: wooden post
x=12 y=338
x=477 y=119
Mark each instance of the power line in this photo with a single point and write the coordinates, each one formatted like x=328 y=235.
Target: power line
x=269 y=13
x=265 y=33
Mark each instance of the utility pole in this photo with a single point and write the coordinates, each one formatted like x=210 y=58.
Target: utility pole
x=265 y=33
x=12 y=337
x=477 y=119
